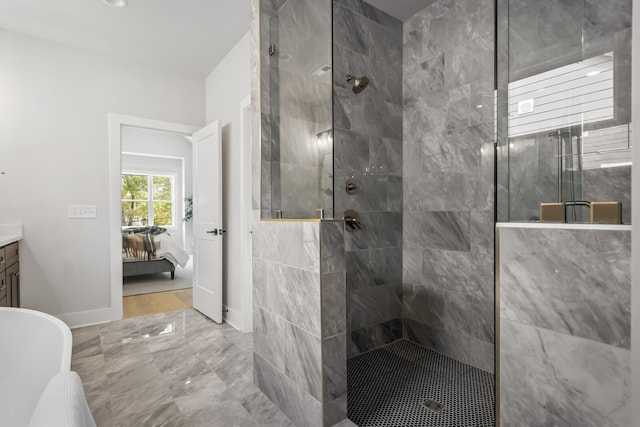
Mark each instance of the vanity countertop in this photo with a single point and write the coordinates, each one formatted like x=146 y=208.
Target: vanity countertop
x=10 y=233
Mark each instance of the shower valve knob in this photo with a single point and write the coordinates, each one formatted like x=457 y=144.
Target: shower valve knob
x=351 y=187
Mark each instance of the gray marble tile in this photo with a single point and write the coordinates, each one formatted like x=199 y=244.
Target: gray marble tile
x=300 y=407
x=303 y=360
x=221 y=412
x=334 y=304
x=125 y=357
x=268 y=336
x=411 y=266
x=125 y=394
x=167 y=414
x=454 y=344
x=351 y=151
x=100 y=406
x=345 y=423
x=332 y=246
x=341 y=108
x=386 y=266
x=469 y=314
x=548 y=378
x=86 y=341
x=244 y=341
x=424 y=304
x=93 y=373
x=544 y=281
x=334 y=365
x=377 y=117
x=461 y=272
x=385 y=156
x=372 y=193
x=180 y=363
x=335 y=412
x=373 y=305
x=605 y=18
x=358 y=270
x=437 y=230
x=368 y=338
x=351 y=30
x=310 y=246
x=264 y=411
x=208 y=384
x=301 y=298
x=609 y=184
x=384 y=228
x=231 y=365
x=394 y=193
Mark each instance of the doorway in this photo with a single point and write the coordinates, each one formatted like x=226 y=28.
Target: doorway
x=156 y=179
x=119 y=127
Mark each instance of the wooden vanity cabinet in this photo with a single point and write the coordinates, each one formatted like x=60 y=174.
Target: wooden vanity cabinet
x=10 y=275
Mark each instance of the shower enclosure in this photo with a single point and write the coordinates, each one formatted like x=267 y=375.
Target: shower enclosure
x=390 y=144
x=563 y=275
x=406 y=278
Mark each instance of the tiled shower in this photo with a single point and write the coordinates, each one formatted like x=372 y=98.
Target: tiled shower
x=385 y=322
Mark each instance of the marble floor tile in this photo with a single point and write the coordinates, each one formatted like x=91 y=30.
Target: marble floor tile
x=171 y=369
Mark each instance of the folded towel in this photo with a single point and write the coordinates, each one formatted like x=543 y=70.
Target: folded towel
x=63 y=404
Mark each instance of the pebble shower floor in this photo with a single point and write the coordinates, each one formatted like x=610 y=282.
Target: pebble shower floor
x=388 y=386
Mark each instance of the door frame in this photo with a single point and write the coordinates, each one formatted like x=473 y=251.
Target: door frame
x=245 y=140
x=116 y=122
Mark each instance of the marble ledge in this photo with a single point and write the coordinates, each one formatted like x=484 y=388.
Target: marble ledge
x=564 y=226
x=10 y=233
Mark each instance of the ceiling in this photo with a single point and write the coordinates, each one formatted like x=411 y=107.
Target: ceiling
x=185 y=36
x=401 y=9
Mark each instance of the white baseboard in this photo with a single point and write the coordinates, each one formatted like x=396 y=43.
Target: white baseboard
x=87 y=318
x=233 y=318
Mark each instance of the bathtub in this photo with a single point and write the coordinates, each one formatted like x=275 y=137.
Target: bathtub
x=35 y=348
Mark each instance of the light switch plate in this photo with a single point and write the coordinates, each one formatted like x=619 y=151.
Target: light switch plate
x=82 y=211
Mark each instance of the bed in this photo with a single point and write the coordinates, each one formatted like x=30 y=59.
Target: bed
x=149 y=250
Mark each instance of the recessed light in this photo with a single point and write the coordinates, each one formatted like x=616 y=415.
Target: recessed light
x=116 y=3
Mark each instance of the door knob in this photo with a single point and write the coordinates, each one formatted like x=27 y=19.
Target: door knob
x=214 y=231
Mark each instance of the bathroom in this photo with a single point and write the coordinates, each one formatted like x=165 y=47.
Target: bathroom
x=406 y=271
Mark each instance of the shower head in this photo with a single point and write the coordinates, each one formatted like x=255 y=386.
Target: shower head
x=359 y=83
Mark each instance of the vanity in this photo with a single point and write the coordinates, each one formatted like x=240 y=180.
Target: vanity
x=10 y=236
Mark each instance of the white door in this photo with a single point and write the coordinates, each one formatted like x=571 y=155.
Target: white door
x=207 y=222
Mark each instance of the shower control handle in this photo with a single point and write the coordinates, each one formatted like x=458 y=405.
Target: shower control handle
x=351 y=220
x=350 y=187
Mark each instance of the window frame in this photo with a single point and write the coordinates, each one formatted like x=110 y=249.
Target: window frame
x=150 y=200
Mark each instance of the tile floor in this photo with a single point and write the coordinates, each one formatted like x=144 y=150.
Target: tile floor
x=170 y=369
x=387 y=387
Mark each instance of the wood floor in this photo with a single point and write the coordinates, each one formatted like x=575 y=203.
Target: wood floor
x=159 y=302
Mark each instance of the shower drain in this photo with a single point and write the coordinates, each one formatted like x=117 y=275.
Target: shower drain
x=432 y=405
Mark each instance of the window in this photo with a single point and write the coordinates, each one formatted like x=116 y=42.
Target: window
x=147 y=200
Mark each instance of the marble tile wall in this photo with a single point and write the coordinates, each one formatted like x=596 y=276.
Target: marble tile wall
x=448 y=180
x=299 y=318
x=287 y=317
x=564 y=327
x=334 y=327
x=368 y=151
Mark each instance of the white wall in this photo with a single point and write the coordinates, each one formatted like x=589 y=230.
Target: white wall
x=226 y=86
x=635 y=235
x=54 y=102
x=174 y=153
